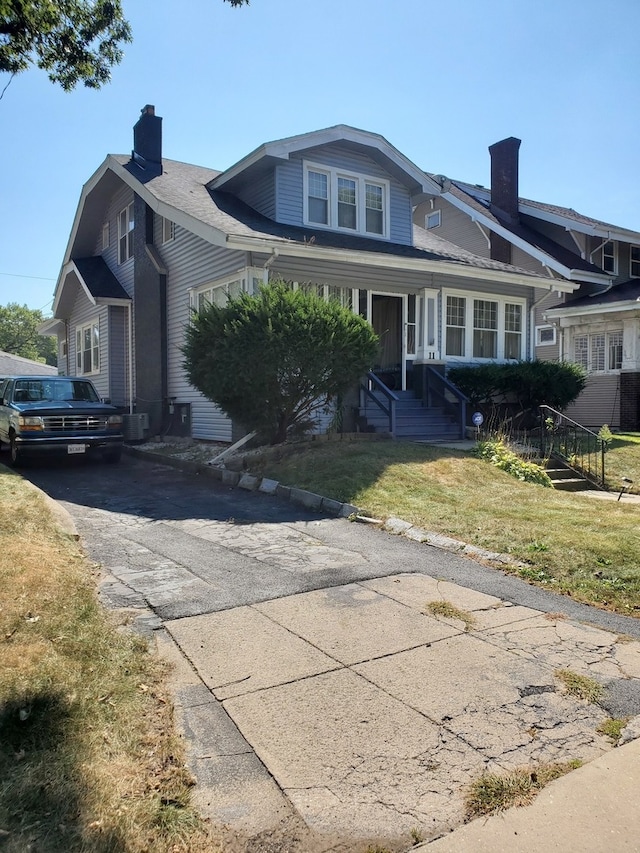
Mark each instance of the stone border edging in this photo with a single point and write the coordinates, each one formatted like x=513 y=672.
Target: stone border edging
x=318 y=503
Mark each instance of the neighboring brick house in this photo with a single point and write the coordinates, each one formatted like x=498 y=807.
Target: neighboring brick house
x=331 y=210
x=596 y=325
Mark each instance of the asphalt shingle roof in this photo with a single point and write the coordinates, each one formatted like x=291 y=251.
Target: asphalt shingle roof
x=184 y=187
x=626 y=291
x=101 y=282
x=14 y=365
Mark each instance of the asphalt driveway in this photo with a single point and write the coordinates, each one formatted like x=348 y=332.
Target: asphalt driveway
x=326 y=705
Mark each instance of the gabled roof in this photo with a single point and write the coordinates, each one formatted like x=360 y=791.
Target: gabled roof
x=185 y=194
x=95 y=278
x=376 y=146
x=554 y=213
x=549 y=253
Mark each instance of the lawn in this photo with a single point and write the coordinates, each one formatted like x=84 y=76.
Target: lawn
x=580 y=546
x=623 y=460
x=89 y=757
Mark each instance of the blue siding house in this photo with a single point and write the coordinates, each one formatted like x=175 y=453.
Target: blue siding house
x=332 y=210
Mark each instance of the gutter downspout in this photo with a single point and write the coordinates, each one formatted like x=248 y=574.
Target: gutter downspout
x=267 y=265
x=130 y=342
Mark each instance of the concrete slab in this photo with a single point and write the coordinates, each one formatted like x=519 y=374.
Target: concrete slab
x=352 y=623
x=417 y=591
x=241 y=650
x=353 y=759
x=592 y=810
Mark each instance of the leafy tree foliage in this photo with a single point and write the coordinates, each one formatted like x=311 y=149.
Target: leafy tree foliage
x=72 y=40
x=521 y=386
x=269 y=359
x=19 y=334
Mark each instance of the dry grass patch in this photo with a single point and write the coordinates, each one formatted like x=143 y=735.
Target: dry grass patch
x=495 y=792
x=580 y=685
x=588 y=549
x=450 y=611
x=89 y=759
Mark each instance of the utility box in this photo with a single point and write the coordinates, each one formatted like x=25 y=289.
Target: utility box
x=134 y=426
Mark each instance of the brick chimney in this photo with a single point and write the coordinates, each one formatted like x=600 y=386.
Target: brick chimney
x=147 y=141
x=504 y=192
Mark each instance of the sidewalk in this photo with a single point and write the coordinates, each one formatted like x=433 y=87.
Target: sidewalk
x=592 y=810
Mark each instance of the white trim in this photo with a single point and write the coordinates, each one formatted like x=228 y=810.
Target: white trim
x=501 y=301
x=545 y=259
x=283 y=148
x=612 y=255
x=94 y=349
x=361 y=181
x=168 y=230
x=125 y=235
x=545 y=328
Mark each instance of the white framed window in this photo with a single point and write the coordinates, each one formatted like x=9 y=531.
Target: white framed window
x=479 y=327
x=105 y=236
x=346 y=202
x=545 y=336
x=88 y=348
x=610 y=257
x=634 y=261
x=599 y=352
x=125 y=234
x=168 y=230
x=219 y=292
x=433 y=220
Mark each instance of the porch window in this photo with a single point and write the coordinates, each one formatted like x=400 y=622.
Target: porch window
x=481 y=326
x=485 y=329
x=88 y=348
x=512 y=330
x=125 y=234
x=456 y=309
x=599 y=352
x=219 y=292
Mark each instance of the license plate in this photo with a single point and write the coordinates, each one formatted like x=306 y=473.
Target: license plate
x=75 y=448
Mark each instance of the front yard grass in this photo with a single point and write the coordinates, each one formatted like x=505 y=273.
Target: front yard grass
x=89 y=758
x=623 y=460
x=586 y=548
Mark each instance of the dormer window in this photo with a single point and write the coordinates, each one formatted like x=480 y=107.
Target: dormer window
x=610 y=258
x=346 y=202
x=433 y=219
x=634 y=261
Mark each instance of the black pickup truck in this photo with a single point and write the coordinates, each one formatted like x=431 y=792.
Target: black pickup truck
x=45 y=415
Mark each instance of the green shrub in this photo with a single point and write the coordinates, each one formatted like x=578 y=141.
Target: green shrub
x=497 y=452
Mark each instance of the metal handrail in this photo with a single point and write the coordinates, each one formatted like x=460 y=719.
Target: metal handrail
x=429 y=389
x=577 y=446
x=390 y=409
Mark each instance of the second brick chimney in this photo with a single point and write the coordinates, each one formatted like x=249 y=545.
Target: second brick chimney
x=504 y=192
x=147 y=141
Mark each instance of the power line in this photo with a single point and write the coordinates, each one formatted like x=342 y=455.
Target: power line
x=17 y=275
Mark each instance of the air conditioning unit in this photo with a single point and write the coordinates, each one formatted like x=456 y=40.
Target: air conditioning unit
x=134 y=426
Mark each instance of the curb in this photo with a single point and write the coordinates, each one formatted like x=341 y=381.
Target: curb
x=319 y=503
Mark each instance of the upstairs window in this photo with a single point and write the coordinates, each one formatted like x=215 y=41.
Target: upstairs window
x=168 y=230
x=433 y=220
x=610 y=258
x=634 y=261
x=355 y=203
x=125 y=234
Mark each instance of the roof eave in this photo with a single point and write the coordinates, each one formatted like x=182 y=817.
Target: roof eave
x=375 y=259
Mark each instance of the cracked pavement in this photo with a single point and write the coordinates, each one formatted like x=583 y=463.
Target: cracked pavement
x=321 y=697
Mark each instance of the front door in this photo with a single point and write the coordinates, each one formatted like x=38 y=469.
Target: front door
x=386 y=317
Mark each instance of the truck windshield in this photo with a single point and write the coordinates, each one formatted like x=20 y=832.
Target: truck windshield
x=50 y=390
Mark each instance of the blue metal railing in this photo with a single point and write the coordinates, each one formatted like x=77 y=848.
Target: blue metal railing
x=436 y=387
x=367 y=387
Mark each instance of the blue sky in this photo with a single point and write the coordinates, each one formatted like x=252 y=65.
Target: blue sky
x=440 y=80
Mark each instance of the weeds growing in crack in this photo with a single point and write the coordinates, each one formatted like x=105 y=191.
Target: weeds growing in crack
x=494 y=792
x=612 y=728
x=450 y=611
x=580 y=685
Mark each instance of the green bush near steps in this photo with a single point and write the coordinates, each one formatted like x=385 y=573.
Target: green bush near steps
x=497 y=452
